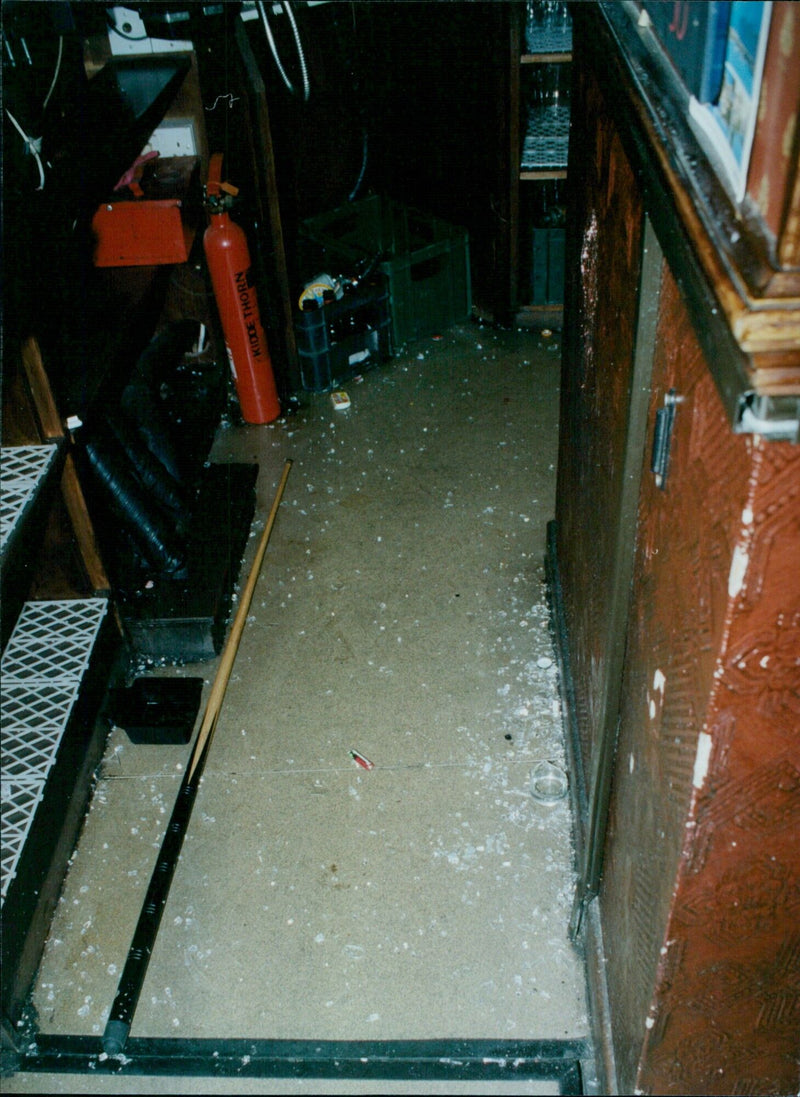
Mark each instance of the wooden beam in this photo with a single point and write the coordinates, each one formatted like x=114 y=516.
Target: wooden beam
x=52 y=429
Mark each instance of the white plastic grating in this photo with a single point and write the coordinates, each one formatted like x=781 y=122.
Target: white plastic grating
x=28 y=706
x=546 y=143
x=18 y=803
x=40 y=676
x=23 y=469
x=53 y=640
x=28 y=753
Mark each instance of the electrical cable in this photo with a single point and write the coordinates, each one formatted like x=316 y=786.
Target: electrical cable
x=32 y=144
x=287 y=7
x=364 y=158
x=55 y=74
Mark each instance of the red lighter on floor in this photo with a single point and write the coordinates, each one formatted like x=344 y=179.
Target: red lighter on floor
x=360 y=760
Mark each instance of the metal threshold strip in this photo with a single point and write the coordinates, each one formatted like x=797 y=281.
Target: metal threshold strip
x=476 y=1060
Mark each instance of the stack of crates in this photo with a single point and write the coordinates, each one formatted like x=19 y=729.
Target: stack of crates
x=338 y=339
x=425 y=261
x=547 y=275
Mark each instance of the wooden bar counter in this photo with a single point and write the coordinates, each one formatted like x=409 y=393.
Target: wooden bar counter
x=674 y=567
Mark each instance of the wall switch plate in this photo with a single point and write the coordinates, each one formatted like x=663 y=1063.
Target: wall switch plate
x=175 y=137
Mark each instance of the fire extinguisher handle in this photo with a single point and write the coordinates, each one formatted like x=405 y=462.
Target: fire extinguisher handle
x=214 y=186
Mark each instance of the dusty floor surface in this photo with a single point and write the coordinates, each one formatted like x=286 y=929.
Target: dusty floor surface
x=401 y=613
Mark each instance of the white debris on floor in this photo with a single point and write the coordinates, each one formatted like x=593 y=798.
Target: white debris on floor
x=401 y=621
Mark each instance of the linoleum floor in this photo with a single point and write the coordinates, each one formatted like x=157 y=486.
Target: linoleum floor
x=401 y=613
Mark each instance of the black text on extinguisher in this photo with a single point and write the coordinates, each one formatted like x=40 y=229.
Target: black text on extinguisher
x=248 y=305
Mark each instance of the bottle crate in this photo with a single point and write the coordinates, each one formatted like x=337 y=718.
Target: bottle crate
x=425 y=261
x=337 y=340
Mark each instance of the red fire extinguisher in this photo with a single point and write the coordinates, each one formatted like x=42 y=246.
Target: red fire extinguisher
x=232 y=278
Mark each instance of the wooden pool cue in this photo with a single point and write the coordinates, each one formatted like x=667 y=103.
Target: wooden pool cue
x=131 y=981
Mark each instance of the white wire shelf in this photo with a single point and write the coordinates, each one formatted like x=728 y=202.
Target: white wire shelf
x=41 y=671
x=23 y=471
x=546 y=142
x=544 y=39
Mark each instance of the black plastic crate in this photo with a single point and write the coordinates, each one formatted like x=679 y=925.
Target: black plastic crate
x=425 y=260
x=156 y=710
x=547 y=274
x=339 y=339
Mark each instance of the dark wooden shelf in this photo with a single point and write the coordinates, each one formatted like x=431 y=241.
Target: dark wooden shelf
x=545 y=58
x=87 y=321
x=539 y=316
x=543 y=173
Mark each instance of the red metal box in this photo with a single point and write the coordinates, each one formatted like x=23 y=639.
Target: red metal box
x=155 y=221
